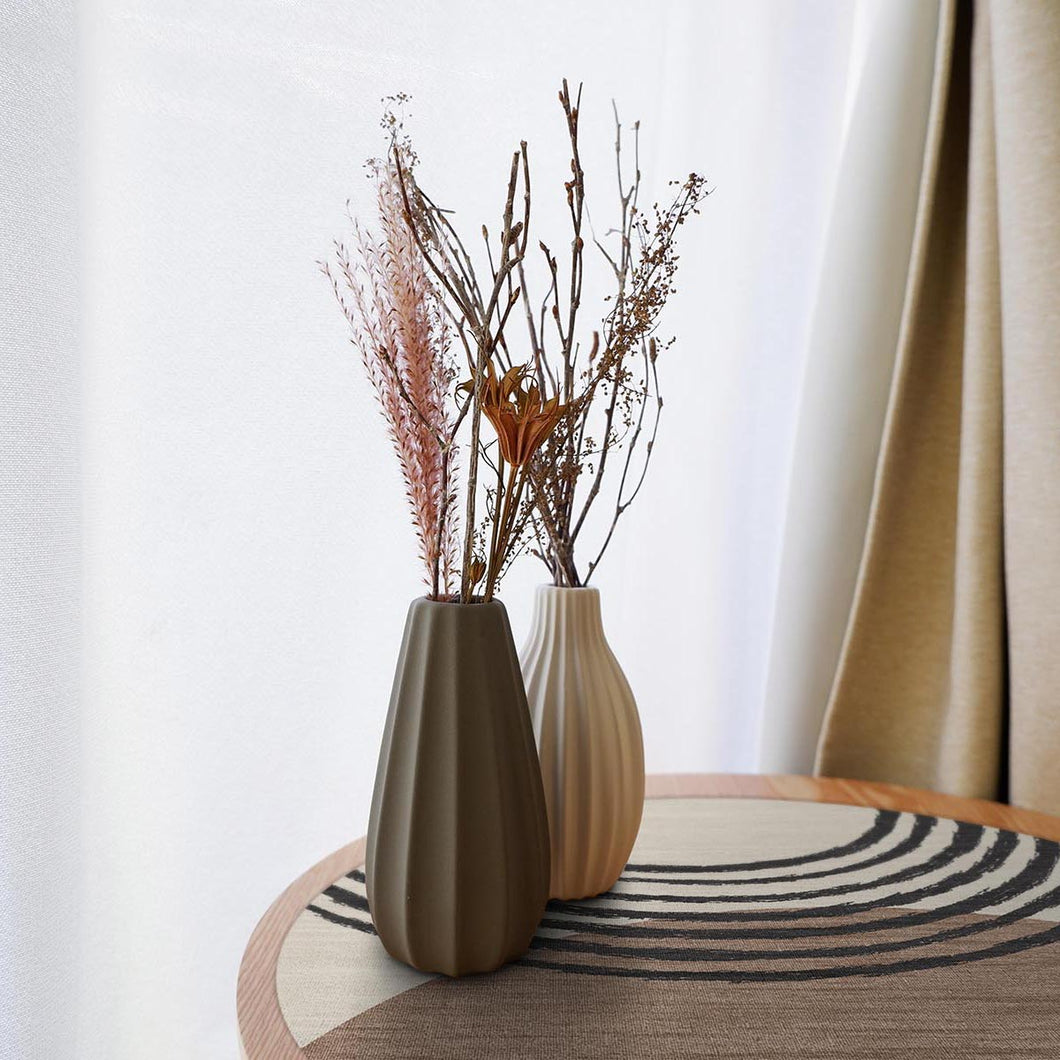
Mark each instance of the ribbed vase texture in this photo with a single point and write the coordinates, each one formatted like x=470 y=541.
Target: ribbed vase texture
x=457 y=866
x=589 y=741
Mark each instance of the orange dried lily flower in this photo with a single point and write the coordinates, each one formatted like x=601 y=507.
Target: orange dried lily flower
x=522 y=418
x=476 y=571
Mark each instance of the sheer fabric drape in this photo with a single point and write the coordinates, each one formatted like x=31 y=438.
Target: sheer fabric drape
x=40 y=534
x=860 y=292
x=204 y=551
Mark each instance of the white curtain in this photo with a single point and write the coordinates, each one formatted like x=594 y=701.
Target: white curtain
x=40 y=562
x=194 y=466
x=846 y=379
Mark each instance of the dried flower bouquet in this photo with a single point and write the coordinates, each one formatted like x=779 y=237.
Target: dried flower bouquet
x=561 y=415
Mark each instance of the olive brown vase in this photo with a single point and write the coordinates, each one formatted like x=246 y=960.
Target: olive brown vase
x=589 y=740
x=457 y=862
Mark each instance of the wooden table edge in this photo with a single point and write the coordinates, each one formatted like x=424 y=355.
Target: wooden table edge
x=263 y=1035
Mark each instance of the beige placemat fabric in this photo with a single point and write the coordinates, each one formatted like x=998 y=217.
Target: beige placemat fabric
x=741 y=928
x=982 y=1013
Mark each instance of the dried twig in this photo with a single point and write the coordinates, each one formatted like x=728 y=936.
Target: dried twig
x=609 y=392
x=486 y=320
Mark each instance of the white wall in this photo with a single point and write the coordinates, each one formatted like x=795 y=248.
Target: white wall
x=249 y=560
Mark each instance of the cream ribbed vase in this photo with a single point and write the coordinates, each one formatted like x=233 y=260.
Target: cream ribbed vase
x=589 y=740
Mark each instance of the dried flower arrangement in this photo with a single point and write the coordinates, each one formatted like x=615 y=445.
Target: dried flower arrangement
x=414 y=289
x=616 y=394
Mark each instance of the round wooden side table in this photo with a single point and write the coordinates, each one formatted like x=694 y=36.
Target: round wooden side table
x=766 y=917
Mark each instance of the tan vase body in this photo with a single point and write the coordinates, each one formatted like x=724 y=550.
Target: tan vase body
x=588 y=738
x=457 y=856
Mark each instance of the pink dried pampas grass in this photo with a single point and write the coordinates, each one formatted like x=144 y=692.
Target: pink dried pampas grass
x=398 y=326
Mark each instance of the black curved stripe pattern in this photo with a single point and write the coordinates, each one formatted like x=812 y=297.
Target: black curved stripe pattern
x=348 y=898
x=964 y=840
x=982 y=909
x=922 y=828
x=1031 y=876
x=885 y=823
x=994 y=857
x=345 y=921
x=1042 y=938
x=1048 y=900
x=1038 y=869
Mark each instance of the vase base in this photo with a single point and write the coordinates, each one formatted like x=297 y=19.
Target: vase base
x=582 y=891
x=459 y=970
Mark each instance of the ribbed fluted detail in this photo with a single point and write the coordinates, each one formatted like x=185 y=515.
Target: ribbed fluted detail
x=589 y=740
x=457 y=864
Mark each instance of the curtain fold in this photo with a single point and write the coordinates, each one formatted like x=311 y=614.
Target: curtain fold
x=948 y=675
x=847 y=377
x=1026 y=54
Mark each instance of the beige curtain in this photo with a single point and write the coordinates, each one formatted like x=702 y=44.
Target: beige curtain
x=949 y=676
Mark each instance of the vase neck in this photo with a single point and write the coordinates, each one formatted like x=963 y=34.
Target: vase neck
x=568 y=612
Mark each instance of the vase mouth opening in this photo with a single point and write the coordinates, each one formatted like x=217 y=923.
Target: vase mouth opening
x=455 y=601
x=550 y=587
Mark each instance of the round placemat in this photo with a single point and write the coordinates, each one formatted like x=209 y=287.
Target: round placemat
x=740 y=928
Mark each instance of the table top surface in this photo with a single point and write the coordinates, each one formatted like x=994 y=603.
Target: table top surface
x=814 y=917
